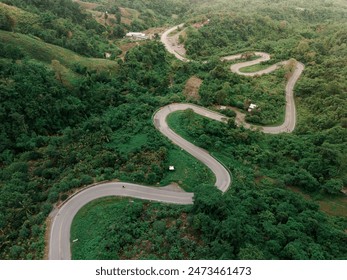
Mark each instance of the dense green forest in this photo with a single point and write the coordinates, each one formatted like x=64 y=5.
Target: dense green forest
x=66 y=122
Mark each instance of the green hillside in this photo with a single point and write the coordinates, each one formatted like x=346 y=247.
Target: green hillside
x=37 y=49
x=70 y=118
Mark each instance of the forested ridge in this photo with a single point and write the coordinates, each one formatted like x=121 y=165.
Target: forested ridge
x=67 y=125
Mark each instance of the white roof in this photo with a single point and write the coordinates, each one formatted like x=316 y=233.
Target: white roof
x=171 y=167
x=252 y=106
x=135 y=34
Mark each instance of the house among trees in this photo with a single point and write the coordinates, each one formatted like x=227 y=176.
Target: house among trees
x=201 y=24
x=136 y=35
x=171 y=168
x=251 y=107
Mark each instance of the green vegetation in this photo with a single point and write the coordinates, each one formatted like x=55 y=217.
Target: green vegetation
x=39 y=50
x=55 y=139
x=185 y=166
x=114 y=228
x=62 y=23
x=249 y=223
x=254 y=68
x=222 y=87
x=258 y=205
x=69 y=118
x=274 y=158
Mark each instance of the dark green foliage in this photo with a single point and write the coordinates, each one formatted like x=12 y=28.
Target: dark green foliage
x=298 y=160
x=11 y=52
x=145 y=69
x=60 y=8
x=277 y=223
x=56 y=137
x=5 y=22
x=164 y=8
x=133 y=229
x=250 y=224
x=232 y=34
x=62 y=23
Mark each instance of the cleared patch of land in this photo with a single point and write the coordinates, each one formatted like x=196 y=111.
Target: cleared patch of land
x=191 y=90
x=126 y=47
x=333 y=205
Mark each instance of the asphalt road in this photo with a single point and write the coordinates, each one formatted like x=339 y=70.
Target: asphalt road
x=223 y=179
x=62 y=216
x=290 y=111
x=172 y=45
x=59 y=240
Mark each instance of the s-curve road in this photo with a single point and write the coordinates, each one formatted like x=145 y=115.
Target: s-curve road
x=59 y=239
x=223 y=179
x=61 y=217
x=172 y=44
x=290 y=111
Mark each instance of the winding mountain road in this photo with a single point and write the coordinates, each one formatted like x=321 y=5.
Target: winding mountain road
x=172 y=44
x=62 y=216
x=59 y=239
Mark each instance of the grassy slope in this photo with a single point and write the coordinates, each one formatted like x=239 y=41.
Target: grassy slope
x=83 y=227
x=185 y=164
x=21 y=17
x=37 y=49
x=99 y=222
x=254 y=68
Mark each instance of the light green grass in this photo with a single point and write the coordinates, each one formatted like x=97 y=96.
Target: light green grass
x=122 y=228
x=254 y=68
x=237 y=169
x=174 y=122
x=39 y=50
x=20 y=16
x=90 y=223
x=125 y=145
x=201 y=173
x=335 y=205
x=189 y=173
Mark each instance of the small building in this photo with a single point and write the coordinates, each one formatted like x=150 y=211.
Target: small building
x=171 y=168
x=251 y=107
x=201 y=24
x=107 y=55
x=136 y=35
